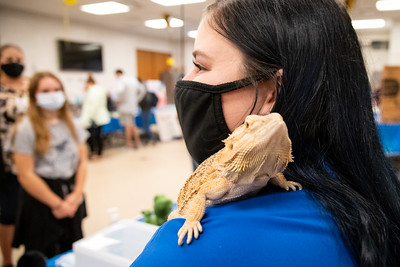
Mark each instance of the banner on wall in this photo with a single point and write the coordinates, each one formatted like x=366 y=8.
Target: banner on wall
x=390 y=96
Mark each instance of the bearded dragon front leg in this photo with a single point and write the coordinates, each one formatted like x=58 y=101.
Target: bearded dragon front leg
x=192 y=225
x=213 y=189
x=280 y=180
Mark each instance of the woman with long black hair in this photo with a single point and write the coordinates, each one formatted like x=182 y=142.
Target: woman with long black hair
x=305 y=62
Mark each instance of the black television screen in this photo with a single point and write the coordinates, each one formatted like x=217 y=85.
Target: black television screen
x=80 y=56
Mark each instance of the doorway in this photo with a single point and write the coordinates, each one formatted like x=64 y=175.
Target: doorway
x=151 y=64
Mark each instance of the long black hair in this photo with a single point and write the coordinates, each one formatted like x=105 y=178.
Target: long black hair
x=325 y=99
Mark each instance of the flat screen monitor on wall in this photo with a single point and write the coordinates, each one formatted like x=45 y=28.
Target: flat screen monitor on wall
x=80 y=56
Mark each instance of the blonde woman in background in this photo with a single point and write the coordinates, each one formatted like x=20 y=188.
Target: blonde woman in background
x=13 y=103
x=50 y=155
x=94 y=115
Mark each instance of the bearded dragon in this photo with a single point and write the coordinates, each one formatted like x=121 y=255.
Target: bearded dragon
x=255 y=153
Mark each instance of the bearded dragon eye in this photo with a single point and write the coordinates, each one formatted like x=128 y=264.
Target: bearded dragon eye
x=247 y=125
x=231 y=146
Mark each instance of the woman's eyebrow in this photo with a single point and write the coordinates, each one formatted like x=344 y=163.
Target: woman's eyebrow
x=200 y=53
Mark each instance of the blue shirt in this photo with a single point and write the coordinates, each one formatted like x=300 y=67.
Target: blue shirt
x=271 y=229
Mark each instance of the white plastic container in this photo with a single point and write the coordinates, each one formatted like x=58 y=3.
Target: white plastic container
x=167 y=123
x=114 y=246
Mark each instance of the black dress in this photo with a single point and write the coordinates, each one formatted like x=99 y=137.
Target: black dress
x=38 y=229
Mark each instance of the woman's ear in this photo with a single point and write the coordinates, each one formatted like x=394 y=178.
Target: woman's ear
x=270 y=88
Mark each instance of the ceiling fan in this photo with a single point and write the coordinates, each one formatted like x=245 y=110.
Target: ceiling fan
x=167 y=21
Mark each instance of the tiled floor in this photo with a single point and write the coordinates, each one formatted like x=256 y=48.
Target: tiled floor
x=127 y=180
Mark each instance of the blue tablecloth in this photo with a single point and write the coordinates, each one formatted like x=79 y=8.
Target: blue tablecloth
x=114 y=125
x=52 y=262
x=390 y=138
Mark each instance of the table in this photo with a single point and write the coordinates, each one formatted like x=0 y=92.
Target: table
x=114 y=124
x=389 y=135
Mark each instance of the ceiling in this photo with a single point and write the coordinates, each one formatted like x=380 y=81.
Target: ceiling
x=141 y=10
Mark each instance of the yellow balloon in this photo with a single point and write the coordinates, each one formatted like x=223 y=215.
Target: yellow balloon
x=70 y=2
x=170 y=61
x=349 y=4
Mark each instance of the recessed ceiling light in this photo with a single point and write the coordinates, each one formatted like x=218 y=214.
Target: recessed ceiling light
x=176 y=2
x=105 y=8
x=162 y=23
x=368 y=24
x=156 y=23
x=388 y=5
x=192 y=34
x=175 y=23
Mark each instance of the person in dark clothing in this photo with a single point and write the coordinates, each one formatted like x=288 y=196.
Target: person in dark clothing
x=148 y=102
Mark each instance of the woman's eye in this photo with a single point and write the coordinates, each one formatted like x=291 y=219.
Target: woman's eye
x=198 y=66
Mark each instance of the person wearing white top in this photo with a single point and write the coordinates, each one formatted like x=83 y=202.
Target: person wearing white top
x=129 y=92
x=94 y=115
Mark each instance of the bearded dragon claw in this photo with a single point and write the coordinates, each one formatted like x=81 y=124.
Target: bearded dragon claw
x=189 y=228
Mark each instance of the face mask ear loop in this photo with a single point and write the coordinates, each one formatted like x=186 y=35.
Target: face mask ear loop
x=254 y=105
x=255 y=100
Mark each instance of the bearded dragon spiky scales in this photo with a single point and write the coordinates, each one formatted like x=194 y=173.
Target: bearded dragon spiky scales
x=256 y=152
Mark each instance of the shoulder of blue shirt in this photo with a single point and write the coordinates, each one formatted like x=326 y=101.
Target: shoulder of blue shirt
x=274 y=228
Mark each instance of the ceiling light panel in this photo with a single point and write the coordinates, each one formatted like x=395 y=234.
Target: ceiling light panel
x=105 y=8
x=175 y=23
x=388 y=5
x=156 y=23
x=162 y=23
x=176 y=2
x=368 y=24
x=192 y=34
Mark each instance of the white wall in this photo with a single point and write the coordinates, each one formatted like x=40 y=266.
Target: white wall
x=375 y=59
x=394 y=51
x=37 y=36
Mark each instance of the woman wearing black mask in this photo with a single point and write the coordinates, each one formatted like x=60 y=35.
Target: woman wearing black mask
x=13 y=104
x=302 y=59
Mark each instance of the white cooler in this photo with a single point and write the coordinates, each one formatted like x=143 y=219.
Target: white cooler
x=117 y=245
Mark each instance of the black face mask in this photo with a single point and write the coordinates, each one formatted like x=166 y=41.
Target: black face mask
x=13 y=69
x=201 y=117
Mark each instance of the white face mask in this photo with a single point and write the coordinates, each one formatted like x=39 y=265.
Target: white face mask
x=50 y=101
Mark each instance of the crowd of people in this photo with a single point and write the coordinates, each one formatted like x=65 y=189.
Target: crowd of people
x=45 y=152
x=44 y=160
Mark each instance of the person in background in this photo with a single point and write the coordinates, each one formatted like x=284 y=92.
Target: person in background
x=129 y=92
x=94 y=115
x=13 y=103
x=301 y=59
x=169 y=77
x=148 y=102
x=50 y=156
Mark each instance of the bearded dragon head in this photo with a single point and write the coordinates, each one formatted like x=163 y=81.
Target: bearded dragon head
x=260 y=145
